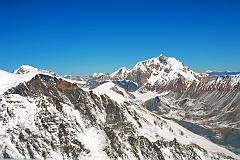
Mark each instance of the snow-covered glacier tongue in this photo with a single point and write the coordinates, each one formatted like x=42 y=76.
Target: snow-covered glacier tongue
x=45 y=116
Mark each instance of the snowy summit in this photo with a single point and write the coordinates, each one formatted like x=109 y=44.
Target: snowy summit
x=25 y=69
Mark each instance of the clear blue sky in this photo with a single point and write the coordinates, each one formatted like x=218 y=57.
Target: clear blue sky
x=86 y=36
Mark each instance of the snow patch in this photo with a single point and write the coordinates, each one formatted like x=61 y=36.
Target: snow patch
x=25 y=69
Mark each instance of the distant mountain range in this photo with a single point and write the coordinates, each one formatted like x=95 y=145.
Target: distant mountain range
x=222 y=73
x=160 y=109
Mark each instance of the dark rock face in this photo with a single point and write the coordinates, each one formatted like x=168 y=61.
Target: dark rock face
x=139 y=77
x=127 y=85
x=157 y=106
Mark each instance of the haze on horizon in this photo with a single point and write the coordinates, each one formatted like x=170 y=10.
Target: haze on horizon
x=83 y=37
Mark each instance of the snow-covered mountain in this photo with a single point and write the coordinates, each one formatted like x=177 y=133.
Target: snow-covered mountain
x=209 y=105
x=25 y=69
x=166 y=73
x=9 y=80
x=45 y=116
x=159 y=70
x=120 y=73
x=159 y=109
x=210 y=108
x=155 y=72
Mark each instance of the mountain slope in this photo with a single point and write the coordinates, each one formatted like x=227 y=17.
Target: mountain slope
x=9 y=80
x=209 y=105
x=49 y=117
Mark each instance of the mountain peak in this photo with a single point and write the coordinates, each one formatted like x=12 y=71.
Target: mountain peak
x=162 y=56
x=140 y=66
x=120 y=72
x=156 y=61
x=25 y=69
x=160 y=69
